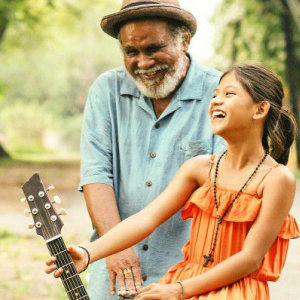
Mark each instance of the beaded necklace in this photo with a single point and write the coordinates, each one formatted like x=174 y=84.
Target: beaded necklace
x=209 y=257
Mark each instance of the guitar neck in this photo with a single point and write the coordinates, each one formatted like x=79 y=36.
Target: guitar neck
x=70 y=278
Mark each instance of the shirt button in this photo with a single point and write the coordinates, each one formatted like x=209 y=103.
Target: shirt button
x=153 y=154
x=157 y=125
x=145 y=247
x=144 y=277
x=149 y=183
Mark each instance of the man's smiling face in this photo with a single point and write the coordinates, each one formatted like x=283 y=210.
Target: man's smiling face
x=153 y=57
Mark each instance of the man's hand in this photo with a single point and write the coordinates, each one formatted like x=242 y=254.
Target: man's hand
x=117 y=264
x=160 y=292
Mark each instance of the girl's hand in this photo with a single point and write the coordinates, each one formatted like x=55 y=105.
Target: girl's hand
x=79 y=257
x=160 y=292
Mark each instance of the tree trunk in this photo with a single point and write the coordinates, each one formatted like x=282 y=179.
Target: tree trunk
x=235 y=47
x=3 y=153
x=3 y=26
x=291 y=67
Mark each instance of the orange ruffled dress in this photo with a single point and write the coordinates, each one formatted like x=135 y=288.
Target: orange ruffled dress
x=230 y=240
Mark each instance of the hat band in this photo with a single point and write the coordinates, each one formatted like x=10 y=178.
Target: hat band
x=139 y=3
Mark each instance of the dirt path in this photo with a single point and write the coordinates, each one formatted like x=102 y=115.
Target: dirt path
x=77 y=229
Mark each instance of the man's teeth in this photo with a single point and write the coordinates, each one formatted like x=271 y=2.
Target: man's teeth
x=152 y=71
x=218 y=114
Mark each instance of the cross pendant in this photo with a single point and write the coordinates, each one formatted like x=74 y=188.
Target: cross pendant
x=208 y=258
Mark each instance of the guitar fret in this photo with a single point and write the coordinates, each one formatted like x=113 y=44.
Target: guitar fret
x=55 y=254
x=68 y=278
x=66 y=265
x=78 y=287
x=86 y=296
x=72 y=283
x=71 y=286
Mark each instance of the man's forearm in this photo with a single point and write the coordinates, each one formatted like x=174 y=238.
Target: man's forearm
x=102 y=206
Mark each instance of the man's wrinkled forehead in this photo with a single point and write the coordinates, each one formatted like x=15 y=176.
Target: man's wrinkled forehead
x=150 y=26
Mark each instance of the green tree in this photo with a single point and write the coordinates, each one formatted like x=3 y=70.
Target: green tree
x=50 y=65
x=13 y=12
x=263 y=31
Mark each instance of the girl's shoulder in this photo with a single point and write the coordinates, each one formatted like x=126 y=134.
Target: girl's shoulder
x=278 y=171
x=200 y=166
x=278 y=178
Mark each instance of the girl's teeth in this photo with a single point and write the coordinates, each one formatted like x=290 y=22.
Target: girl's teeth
x=218 y=114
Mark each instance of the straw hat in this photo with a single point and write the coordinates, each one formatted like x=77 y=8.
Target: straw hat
x=133 y=9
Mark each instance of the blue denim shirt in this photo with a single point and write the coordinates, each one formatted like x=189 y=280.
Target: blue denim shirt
x=126 y=146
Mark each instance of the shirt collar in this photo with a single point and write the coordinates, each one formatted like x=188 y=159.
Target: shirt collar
x=191 y=87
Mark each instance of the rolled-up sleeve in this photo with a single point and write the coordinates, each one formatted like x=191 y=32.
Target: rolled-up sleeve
x=96 y=138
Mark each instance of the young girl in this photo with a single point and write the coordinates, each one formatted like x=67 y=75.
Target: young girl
x=239 y=200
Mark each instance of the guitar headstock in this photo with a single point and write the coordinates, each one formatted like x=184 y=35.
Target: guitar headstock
x=47 y=221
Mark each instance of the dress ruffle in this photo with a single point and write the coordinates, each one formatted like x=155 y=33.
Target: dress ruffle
x=245 y=209
x=290 y=229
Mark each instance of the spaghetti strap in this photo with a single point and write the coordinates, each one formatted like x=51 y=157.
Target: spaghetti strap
x=211 y=164
x=264 y=177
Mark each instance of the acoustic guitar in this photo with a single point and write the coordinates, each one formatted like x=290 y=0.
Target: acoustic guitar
x=48 y=224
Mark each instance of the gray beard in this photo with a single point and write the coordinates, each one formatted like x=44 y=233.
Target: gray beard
x=162 y=88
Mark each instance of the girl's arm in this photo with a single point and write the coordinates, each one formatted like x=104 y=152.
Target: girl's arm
x=137 y=227
x=278 y=196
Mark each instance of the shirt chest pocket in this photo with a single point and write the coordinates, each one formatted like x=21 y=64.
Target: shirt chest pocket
x=194 y=148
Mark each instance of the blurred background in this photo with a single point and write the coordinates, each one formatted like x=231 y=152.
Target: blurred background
x=51 y=51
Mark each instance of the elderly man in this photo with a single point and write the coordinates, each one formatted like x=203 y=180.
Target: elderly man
x=141 y=123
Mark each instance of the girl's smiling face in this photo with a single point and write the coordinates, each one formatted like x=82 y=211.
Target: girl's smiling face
x=232 y=109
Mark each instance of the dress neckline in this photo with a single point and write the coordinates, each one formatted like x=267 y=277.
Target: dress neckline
x=211 y=184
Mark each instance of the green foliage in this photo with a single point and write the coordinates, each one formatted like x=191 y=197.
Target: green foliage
x=251 y=31
x=51 y=54
x=264 y=32
x=24 y=124
x=5 y=234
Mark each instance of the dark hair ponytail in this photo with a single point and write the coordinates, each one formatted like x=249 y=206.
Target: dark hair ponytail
x=280 y=126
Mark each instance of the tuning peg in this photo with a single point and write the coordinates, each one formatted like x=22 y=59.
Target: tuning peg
x=23 y=200
x=56 y=200
x=37 y=225
x=51 y=187
x=31 y=226
x=27 y=212
x=62 y=212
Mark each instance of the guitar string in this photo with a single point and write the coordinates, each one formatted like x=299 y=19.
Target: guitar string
x=56 y=232
x=65 y=260
x=43 y=231
x=76 y=278
x=46 y=233
x=67 y=288
x=40 y=220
